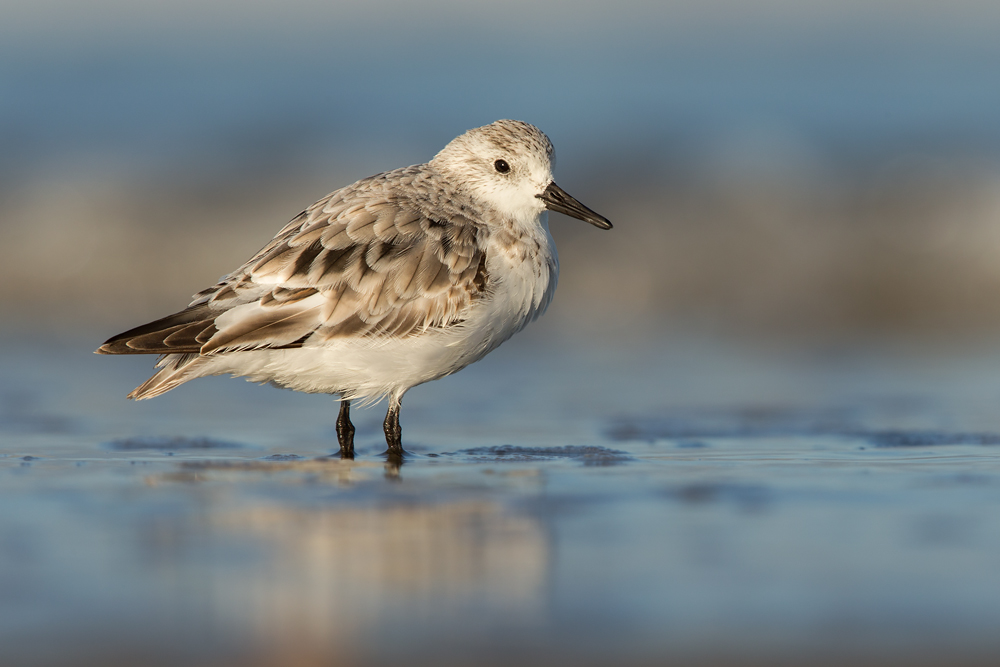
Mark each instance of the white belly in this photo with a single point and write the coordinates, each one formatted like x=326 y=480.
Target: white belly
x=520 y=289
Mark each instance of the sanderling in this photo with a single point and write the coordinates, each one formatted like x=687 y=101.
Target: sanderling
x=396 y=280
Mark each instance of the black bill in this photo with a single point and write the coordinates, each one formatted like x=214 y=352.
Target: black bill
x=556 y=199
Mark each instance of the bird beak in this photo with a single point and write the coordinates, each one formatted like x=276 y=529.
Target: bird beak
x=556 y=199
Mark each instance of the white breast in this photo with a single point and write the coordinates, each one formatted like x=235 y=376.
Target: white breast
x=522 y=280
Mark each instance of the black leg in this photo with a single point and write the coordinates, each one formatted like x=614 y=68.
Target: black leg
x=393 y=434
x=345 y=430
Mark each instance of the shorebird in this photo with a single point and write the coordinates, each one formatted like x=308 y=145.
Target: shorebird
x=396 y=280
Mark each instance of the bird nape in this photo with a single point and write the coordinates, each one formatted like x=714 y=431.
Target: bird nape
x=390 y=282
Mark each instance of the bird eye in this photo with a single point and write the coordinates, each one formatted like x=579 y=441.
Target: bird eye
x=502 y=166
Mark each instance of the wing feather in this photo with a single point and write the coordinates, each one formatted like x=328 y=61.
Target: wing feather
x=367 y=260
x=152 y=338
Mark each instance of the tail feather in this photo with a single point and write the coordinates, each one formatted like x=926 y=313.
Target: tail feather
x=175 y=370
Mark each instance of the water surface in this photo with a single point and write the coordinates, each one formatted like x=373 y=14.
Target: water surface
x=606 y=501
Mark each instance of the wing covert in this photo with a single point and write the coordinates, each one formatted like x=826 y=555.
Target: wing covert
x=367 y=260
x=349 y=266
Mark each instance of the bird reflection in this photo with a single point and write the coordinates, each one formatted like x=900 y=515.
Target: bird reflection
x=322 y=582
x=394 y=460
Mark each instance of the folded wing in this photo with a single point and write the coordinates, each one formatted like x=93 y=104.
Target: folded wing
x=360 y=262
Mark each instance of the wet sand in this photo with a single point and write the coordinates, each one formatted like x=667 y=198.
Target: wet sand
x=563 y=500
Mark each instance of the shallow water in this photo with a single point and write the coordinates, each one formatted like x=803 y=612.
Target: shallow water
x=604 y=501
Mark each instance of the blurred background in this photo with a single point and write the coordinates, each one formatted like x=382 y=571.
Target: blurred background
x=776 y=168
x=757 y=426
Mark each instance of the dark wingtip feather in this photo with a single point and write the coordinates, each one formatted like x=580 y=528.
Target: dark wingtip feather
x=152 y=338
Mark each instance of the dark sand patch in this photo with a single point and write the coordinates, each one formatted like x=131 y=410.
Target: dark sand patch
x=590 y=455
x=174 y=443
